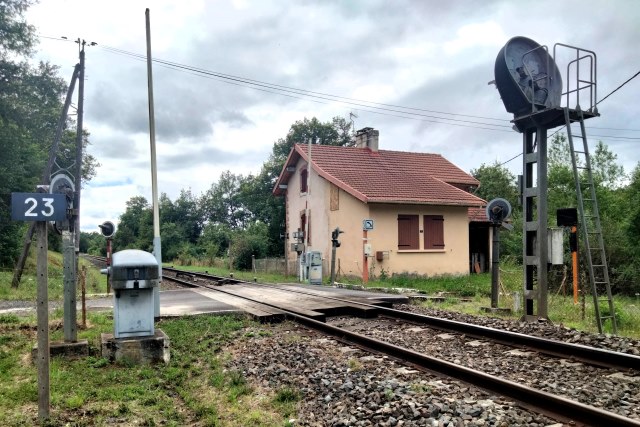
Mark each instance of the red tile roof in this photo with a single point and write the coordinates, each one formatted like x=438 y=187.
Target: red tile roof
x=476 y=214
x=387 y=176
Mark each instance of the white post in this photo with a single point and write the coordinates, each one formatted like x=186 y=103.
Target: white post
x=157 y=248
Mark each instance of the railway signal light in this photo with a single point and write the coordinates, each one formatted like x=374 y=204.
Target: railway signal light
x=334 y=237
x=107 y=228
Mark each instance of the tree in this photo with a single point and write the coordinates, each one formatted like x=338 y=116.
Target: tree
x=248 y=243
x=257 y=191
x=222 y=203
x=135 y=229
x=30 y=106
x=496 y=181
x=16 y=36
x=28 y=97
x=189 y=214
x=214 y=241
x=615 y=204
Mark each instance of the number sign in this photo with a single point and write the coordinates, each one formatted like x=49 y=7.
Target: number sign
x=38 y=207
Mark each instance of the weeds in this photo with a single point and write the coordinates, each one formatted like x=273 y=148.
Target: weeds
x=193 y=389
x=286 y=399
x=355 y=365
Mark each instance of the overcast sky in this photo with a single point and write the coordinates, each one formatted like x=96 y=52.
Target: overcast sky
x=429 y=55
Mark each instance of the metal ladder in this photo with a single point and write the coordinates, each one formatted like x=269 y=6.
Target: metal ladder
x=590 y=219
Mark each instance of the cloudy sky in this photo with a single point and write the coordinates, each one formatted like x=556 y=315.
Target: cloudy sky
x=415 y=70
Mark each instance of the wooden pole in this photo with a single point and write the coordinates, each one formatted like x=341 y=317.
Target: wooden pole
x=42 y=311
x=70 y=286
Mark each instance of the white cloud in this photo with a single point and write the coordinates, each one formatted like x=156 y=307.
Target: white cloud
x=430 y=55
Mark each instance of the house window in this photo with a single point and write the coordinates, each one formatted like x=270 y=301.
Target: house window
x=433 y=232
x=303 y=180
x=408 y=233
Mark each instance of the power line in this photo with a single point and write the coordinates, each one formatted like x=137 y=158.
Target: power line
x=275 y=85
x=321 y=97
x=615 y=137
x=160 y=63
x=616 y=89
x=279 y=88
x=513 y=158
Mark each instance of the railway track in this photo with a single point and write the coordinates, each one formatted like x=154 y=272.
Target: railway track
x=556 y=406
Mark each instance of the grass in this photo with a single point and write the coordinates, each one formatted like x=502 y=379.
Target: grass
x=95 y=282
x=242 y=275
x=477 y=290
x=193 y=389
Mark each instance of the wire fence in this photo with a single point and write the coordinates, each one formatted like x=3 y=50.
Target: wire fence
x=275 y=266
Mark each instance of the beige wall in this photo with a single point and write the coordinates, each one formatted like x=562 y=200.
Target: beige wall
x=349 y=218
x=454 y=259
x=319 y=210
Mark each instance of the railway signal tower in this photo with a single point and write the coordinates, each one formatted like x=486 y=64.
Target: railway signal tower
x=530 y=86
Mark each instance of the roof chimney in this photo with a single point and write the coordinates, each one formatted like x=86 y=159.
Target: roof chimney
x=367 y=138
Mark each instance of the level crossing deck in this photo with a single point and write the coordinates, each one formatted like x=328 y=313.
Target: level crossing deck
x=227 y=299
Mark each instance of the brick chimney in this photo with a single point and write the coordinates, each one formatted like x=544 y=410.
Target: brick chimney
x=367 y=138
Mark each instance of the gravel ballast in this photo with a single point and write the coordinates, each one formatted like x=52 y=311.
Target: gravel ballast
x=344 y=386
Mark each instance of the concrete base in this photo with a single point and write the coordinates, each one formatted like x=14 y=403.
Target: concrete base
x=70 y=350
x=496 y=310
x=138 y=350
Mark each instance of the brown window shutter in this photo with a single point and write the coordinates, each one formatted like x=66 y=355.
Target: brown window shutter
x=433 y=232
x=408 y=235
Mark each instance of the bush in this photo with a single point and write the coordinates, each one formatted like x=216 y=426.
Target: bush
x=251 y=242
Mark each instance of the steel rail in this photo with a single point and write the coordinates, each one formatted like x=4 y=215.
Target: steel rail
x=590 y=355
x=559 y=407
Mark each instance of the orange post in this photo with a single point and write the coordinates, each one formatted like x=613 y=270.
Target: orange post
x=574 y=259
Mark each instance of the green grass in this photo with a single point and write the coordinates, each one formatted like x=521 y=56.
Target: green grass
x=94 y=283
x=561 y=308
x=286 y=399
x=194 y=388
x=242 y=275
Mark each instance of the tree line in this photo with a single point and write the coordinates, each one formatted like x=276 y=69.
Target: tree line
x=236 y=218
x=31 y=101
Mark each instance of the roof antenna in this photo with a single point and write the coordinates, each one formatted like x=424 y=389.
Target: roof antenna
x=353 y=115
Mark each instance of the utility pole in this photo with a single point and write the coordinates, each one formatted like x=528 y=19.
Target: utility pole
x=157 y=245
x=71 y=235
x=79 y=140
